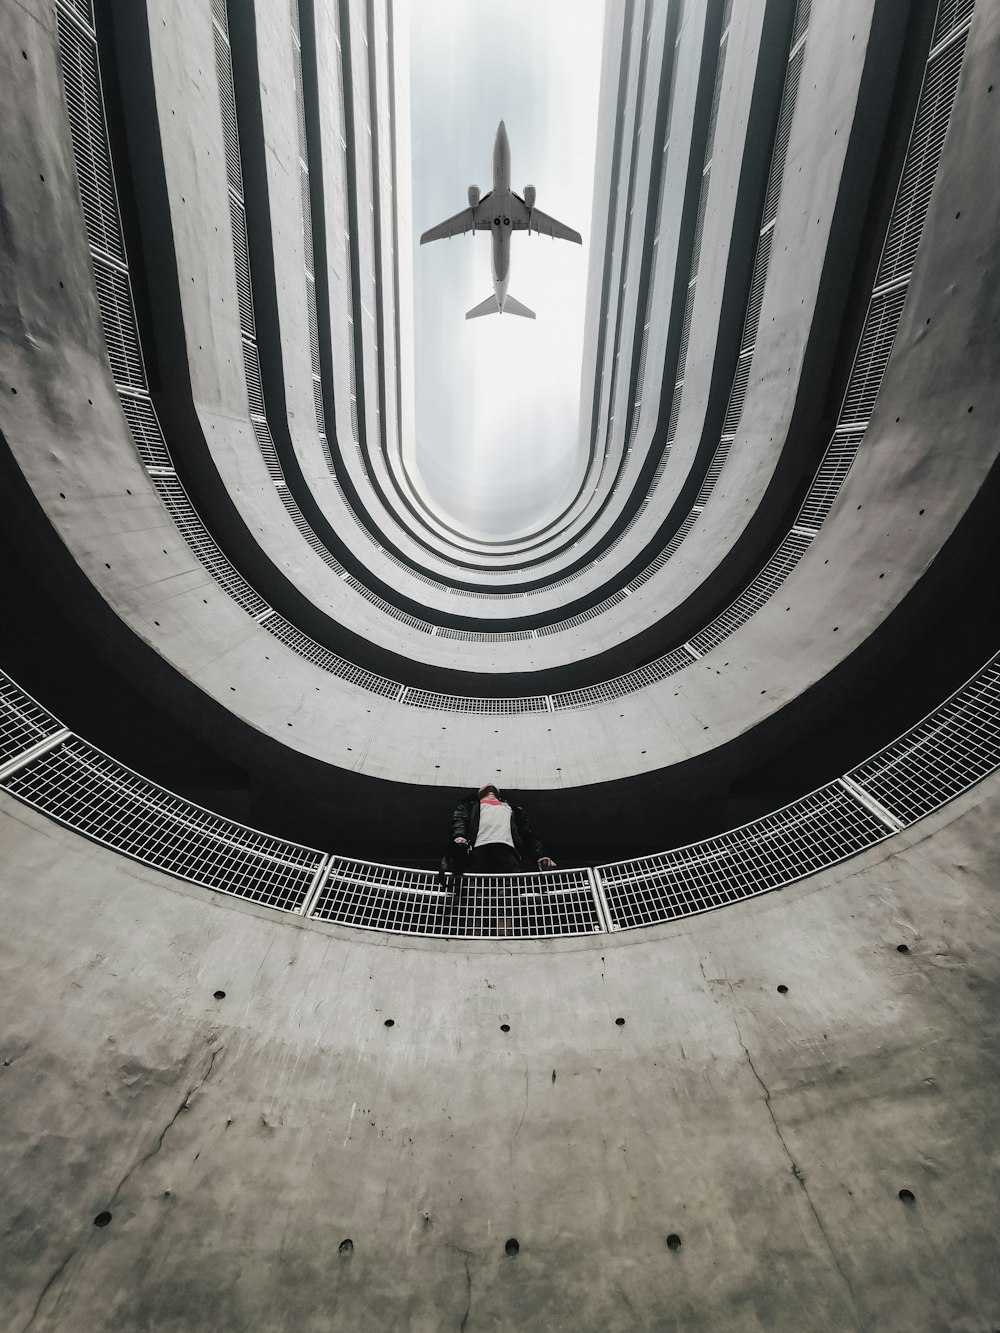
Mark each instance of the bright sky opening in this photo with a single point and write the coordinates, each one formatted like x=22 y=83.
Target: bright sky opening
x=498 y=398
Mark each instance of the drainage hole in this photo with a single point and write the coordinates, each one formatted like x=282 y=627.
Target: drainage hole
x=907 y=1196
x=619 y=1022
x=346 y=1246
x=673 y=1241
x=512 y=1247
x=102 y=1219
x=902 y=948
x=390 y=1022
x=504 y=1027
x=220 y=994
x=782 y=990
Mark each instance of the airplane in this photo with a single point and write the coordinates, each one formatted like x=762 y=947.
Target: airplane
x=501 y=212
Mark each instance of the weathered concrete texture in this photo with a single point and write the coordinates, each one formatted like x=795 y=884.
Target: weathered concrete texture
x=238 y=1142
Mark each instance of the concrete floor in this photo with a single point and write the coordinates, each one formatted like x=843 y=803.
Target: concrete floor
x=239 y=1142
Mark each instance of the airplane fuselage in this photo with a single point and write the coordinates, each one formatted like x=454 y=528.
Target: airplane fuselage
x=500 y=211
x=500 y=220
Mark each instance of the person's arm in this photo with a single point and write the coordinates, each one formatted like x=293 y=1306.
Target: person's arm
x=530 y=843
x=460 y=824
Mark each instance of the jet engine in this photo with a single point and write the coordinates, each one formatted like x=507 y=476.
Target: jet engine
x=529 y=196
x=473 y=196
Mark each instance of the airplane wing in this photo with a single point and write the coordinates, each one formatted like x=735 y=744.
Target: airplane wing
x=546 y=226
x=456 y=226
x=470 y=219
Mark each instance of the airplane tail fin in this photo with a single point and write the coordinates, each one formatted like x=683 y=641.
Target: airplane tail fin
x=491 y=306
x=512 y=307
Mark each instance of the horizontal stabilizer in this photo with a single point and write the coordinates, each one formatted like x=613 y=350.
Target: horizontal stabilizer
x=491 y=306
x=512 y=307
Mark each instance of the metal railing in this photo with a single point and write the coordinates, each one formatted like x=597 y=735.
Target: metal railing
x=58 y=773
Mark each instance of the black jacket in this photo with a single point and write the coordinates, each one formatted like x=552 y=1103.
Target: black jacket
x=465 y=824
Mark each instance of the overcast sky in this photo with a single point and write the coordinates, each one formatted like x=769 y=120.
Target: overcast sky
x=497 y=399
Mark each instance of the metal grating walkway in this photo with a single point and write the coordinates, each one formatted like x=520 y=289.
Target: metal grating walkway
x=71 y=781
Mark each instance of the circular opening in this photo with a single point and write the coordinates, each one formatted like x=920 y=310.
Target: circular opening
x=619 y=1022
x=102 y=1219
x=673 y=1241
x=220 y=994
x=782 y=990
x=390 y=1022
x=902 y=948
x=346 y=1246
x=512 y=1247
x=907 y=1196
x=504 y=1027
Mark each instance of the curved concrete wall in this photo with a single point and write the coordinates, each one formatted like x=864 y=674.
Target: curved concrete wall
x=775 y=1116
x=237 y=1143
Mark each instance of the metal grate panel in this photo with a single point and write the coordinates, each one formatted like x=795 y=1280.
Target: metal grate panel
x=608 y=690
x=241 y=254
x=817 y=831
x=920 y=166
x=455 y=703
x=313 y=325
x=255 y=389
x=95 y=795
x=145 y=428
x=410 y=902
x=830 y=476
x=956 y=746
x=267 y=449
x=682 y=349
x=314 y=652
x=121 y=337
x=306 y=206
x=675 y=416
x=321 y=418
x=82 y=9
x=699 y=225
x=716 y=99
x=738 y=393
x=23 y=721
x=951 y=15
x=779 y=153
x=714 y=471
x=749 y=602
x=801 y=23
x=85 y=109
x=227 y=103
x=219 y=14
x=756 y=300
x=204 y=547
x=872 y=357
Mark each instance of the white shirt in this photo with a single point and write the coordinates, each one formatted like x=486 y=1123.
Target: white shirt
x=494 y=823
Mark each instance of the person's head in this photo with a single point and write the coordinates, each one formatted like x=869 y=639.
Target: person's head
x=489 y=789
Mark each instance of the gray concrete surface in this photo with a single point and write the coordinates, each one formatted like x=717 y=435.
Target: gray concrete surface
x=238 y=1142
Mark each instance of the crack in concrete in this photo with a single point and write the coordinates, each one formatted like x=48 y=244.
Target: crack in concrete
x=468 y=1294
x=46 y=1288
x=524 y=1109
x=184 y=1106
x=797 y=1171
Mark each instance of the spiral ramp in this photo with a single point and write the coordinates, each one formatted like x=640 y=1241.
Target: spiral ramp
x=733 y=1064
